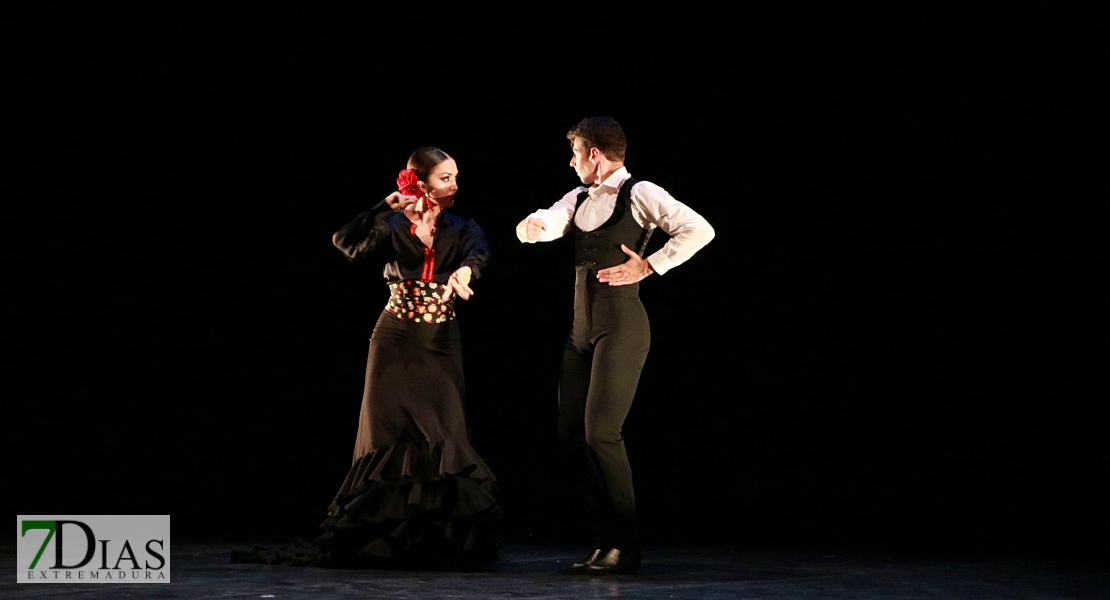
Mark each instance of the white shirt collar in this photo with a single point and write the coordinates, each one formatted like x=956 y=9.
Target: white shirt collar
x=616 y=179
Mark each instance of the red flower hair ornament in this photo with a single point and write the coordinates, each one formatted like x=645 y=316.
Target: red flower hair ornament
x=406 y=183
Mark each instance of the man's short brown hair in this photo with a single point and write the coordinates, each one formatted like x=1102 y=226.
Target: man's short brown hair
x=603 y=133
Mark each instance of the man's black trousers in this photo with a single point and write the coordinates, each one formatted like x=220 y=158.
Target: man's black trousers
x=601 y=368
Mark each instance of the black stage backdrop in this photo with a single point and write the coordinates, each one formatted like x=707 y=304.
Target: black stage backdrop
x=897 y=339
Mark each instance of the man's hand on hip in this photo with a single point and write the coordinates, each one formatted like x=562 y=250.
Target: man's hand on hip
x=634 y=269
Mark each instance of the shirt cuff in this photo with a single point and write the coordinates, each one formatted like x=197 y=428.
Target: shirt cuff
x=475 y=272
x=660 y=263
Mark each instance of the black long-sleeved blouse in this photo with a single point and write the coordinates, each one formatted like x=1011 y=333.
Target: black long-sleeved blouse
x=382 y=232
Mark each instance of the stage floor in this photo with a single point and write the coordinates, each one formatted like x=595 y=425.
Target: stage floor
x=532 y=571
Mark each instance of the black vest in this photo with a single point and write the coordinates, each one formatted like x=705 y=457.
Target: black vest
x=601 y=248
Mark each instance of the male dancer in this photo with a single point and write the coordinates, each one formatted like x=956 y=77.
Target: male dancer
x=610 y=217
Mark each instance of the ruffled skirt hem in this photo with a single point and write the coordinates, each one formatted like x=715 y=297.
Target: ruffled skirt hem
x=420 y=505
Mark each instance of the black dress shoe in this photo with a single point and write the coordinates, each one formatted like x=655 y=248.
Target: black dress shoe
x=615 y=562
x=580 y=566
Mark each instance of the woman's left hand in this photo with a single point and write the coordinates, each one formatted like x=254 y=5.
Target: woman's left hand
x=459 y=282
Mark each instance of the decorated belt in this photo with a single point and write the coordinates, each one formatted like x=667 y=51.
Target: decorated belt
x=420 y=301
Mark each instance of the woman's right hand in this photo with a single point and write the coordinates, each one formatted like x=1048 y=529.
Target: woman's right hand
x=399 y=202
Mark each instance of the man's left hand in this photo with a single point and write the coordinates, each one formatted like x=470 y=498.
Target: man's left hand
x=634 y=269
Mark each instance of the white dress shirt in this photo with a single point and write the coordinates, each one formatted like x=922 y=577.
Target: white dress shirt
x=652 y=207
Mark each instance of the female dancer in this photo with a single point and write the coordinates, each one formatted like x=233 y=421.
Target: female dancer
x=417 y=494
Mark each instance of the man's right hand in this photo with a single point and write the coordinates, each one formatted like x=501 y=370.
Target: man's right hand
x=398 y=201
x=533 y=228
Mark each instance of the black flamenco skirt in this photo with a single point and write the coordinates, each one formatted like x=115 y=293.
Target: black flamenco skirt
x=417 y=494
x=416 y=505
